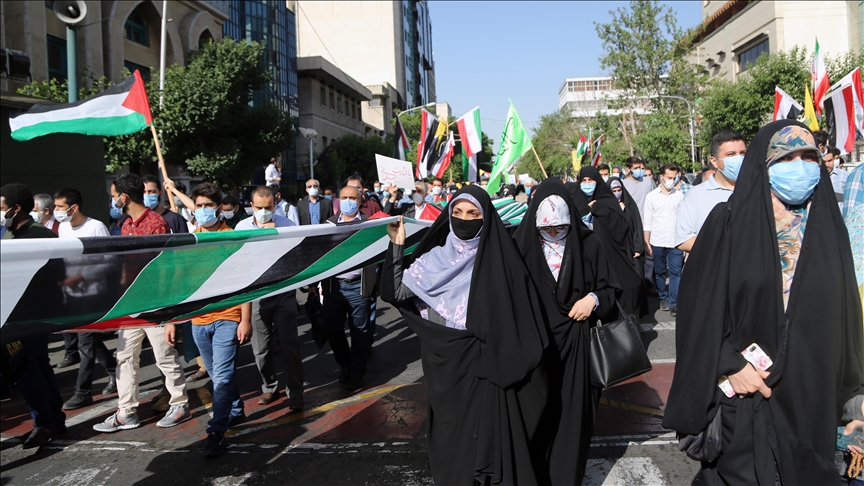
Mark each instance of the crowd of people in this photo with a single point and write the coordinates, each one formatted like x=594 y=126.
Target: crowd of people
x=503 y=314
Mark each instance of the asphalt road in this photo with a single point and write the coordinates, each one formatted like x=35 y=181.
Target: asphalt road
x=375 y=436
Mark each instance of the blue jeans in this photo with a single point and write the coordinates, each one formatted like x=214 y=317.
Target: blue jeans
x=344 y=301
x=673 y=259
x=218 y=345
x=31 y=369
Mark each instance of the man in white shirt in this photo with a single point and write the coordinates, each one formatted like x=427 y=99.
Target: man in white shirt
x=727 y=154
x=831 y=158
x=279 y=312
x=658 y=222
x=86 y=282
x=284 y=208
x=272 y=174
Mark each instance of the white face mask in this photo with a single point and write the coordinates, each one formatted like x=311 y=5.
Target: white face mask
x=605 y=178
x=263 y=216
x=62 y=216
x=669 y=183
x=313 y=191
x=34 y=215
x=436 y=190
x=4 y=221
x=228 y=214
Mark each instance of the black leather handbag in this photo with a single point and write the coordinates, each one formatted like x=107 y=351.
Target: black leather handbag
x=617 y=352
x=707 y=445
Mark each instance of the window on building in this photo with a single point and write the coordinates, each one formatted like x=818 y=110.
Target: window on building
x=136 y=29
x=324 y=141
x=332 y=100
x=323 y=95
x=353 y=113
x=56 y=58
x=131 y=66
x=748 y=57
x=339 y=103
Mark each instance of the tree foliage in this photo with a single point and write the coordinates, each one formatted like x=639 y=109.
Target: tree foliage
x=207 y=124
x=554 y=137
x=348 y=155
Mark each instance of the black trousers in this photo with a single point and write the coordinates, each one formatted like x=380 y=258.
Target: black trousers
x=92 y=349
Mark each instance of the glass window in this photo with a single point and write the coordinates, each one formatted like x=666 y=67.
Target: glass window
x=131 y=66
x=339 y=103
x=323 y=96
x=136 y=29
x=56 y=58
x=748 y=57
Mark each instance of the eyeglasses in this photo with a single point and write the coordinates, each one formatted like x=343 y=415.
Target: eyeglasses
x=558 y=228
x=310 y=187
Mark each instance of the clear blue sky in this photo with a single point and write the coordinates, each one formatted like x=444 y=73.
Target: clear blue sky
x=489 y=51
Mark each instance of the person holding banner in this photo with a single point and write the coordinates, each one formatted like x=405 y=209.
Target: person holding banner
x=470 y=300
x=570 y=269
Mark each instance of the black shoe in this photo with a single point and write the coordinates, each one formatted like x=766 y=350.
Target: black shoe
x=353 y=383
x=236 y=420
x=215 y=445
x=664 y=305
x=69 y=360
x=673 y=311
x=78 y=400
x=111 y=387
x=343 y=376
x=40 y=436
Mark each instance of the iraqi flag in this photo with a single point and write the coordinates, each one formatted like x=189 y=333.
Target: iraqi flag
x=844 y=112
x=120 y=110
x=819 y=78
x=596 y=160
x=402 y=144
x=785 y=107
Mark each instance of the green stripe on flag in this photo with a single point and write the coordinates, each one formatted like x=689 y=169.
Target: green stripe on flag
x=347 y=249
x=173 y=276
x=107 y=126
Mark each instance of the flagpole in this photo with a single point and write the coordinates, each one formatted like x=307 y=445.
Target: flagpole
x=162 y=163
x=545 y=175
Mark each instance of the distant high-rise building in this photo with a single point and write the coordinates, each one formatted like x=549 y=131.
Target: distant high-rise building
x=387 y=46
x=273 y=24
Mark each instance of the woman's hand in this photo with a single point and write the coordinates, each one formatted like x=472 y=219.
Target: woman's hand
x=170 y=334
x=582 y=308
x=750 y=380
x=623 y=207
x=591 y=203
x=396 y=231
x=850 y=427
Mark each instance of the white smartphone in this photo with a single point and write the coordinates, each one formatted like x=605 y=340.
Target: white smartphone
x=755 y=356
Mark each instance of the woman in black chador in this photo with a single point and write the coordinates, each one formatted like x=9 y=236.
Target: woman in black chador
x=596 y=203
x=469 y=298
x=569 y=267
x=771 y=267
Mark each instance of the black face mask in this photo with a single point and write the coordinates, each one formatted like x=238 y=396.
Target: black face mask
x=466 y=229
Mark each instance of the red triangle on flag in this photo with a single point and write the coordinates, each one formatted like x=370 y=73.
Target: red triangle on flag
x=137 y=99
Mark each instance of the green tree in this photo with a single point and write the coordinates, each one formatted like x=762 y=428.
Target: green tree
x=348 y=155
x=555 y=136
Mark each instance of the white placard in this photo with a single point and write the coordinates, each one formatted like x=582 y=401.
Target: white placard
x=511 y=178
x=394 y=171
x=524 y=177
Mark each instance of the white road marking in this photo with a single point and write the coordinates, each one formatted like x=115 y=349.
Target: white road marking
x=77 y=477
x=626 y=470
x=662 y=360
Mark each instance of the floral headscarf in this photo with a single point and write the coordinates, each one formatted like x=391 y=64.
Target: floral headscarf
x=553 y=211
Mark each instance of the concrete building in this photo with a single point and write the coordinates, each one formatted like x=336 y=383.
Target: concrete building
x=385 y=45
x=736 y=32
x=329 y=104
x=585 y=97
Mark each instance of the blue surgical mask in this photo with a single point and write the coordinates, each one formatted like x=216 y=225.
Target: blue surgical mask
x=348 y=206
x=206 y=216
x=115 y=212
x=731 y=167
x=385 y=194
x=528 y=190
x=638 y=173
x=588 y=188
x=793 y=182
x=329 y=198
x=151 y=200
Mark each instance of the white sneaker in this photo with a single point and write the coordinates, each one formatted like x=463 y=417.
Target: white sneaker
x=117 y=422
x=177 y=414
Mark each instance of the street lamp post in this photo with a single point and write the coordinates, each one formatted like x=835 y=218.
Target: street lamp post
x=414 y=109
x=690 y=112
x=310 y=135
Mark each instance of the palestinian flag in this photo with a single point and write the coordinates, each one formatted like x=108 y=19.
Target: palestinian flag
x=429 y=212
x=119 y=110
x=785 y=107
x=596 y=149
x=579 y=153
x=819 y=78
x=469 y=167
x=402 y=144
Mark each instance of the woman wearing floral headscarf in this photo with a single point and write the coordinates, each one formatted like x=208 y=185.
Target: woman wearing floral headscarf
x=771 y=267
x=569 y=267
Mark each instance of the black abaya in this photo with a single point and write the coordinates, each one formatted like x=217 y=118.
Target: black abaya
x=637 y=232
x=486 y=384
x=568 y=423
x=614 y=229
x=731 y=296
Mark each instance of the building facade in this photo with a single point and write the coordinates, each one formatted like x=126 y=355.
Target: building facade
x=585 y=97
x=736 y=32
x=385 y=45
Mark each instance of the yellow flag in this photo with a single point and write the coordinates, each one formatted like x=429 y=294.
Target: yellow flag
x=577 y=162
x=809 y=112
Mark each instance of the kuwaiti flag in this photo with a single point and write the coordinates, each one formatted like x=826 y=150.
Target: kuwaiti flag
x=844 y=112
x=402 y=144
x=119 y=110
x=819 y=78
x=785 y=107
x=469 y=132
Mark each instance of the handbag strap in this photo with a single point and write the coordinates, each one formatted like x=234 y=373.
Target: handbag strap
x=624 y=313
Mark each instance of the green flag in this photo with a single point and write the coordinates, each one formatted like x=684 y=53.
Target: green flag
x=514 y=143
